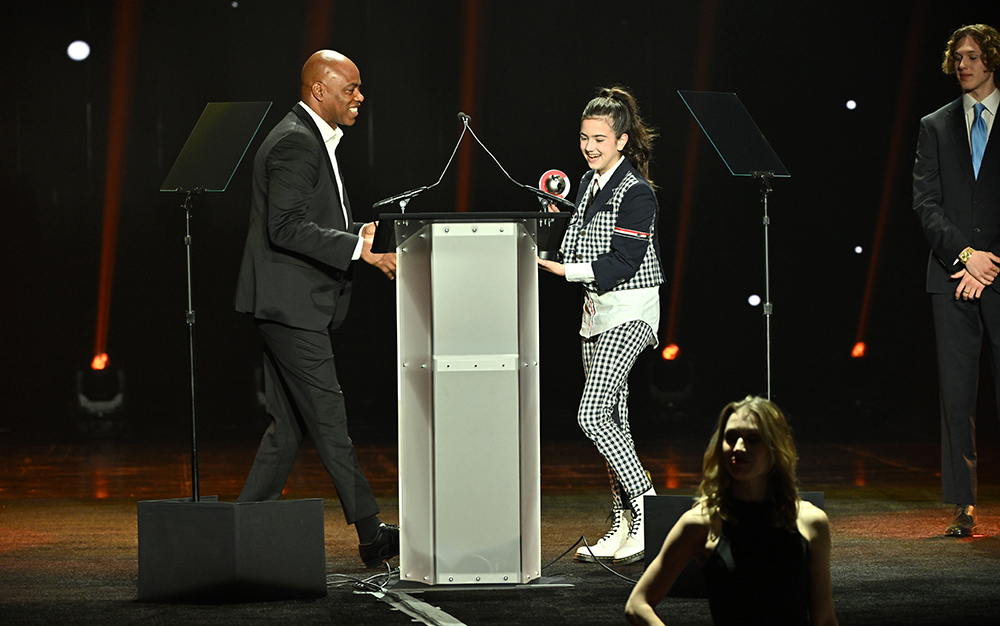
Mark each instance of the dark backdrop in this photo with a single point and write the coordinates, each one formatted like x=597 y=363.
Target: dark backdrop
x=793 y=65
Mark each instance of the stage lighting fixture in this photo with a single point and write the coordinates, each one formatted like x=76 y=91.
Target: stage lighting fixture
x=754 y=300
x=670 y=379
x=858 y=249
x=859 y=350
x=78 y=50
x=100 y=394
x=851 y=105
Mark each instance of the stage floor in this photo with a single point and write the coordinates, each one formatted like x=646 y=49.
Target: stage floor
x=68 y=542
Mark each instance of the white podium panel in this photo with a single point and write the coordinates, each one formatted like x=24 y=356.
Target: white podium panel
x=469 y=463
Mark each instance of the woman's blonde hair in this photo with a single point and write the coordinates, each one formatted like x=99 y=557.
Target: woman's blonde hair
x=713 y=493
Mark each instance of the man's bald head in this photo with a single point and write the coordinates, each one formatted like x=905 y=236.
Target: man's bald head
x=331 y=86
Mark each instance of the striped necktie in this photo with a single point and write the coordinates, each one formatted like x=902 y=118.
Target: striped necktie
x=978 y=137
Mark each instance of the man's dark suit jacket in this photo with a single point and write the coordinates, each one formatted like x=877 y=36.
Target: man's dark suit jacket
x=297 y=258
x=955 y=210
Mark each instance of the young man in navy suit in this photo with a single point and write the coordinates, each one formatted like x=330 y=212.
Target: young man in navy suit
x=956 y=195
x=295 y=280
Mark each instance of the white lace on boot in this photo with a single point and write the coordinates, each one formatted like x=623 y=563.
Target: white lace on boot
x=608 y=545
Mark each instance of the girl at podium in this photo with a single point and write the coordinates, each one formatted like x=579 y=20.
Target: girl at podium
x=611 y=248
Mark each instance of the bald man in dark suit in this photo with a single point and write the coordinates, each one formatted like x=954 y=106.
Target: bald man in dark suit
x=295 y=280
x=956 y=194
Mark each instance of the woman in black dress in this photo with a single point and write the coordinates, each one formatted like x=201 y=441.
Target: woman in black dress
x=765 y=552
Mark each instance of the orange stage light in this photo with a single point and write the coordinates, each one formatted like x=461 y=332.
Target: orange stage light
x=100 y=361
x=859 y=350
x=671 y=351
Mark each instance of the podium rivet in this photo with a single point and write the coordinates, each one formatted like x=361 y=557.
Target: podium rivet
x=450 y=579
x=475 y=230
x=505 y=578
x=477 y=579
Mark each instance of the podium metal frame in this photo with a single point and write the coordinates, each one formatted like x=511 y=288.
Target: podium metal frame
x=468 y=390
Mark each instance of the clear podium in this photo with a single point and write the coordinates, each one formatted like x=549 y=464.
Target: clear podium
x=468 y=376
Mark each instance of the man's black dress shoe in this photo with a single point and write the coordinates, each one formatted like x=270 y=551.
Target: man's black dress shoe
x=964 y=522
x=384 y=547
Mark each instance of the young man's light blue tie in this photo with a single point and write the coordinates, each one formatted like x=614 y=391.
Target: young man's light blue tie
x=978 y=137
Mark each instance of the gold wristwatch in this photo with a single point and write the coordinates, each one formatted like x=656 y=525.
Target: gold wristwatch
x=964 y=255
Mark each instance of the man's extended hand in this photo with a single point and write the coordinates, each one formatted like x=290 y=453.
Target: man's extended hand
x=385 y=262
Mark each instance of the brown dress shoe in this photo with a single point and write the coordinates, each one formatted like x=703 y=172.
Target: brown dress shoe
x=964 y=522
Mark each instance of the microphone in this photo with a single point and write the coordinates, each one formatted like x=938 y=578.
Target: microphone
x=404 y=198
x=543 y=196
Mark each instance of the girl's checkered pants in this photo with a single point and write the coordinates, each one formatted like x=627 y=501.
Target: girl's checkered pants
x=607 y=360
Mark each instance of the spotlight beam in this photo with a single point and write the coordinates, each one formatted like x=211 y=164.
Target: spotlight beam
x=701 y=74
x=900 y=126
x=127 y=20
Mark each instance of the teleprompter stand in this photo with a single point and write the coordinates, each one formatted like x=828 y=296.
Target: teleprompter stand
x=745 y=151
x=199 y=548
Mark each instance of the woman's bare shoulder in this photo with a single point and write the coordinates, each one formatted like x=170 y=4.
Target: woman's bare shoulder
x=812 y=521
x=696 y=516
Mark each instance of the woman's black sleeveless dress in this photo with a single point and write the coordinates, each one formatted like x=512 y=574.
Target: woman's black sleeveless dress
x=758 y=574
